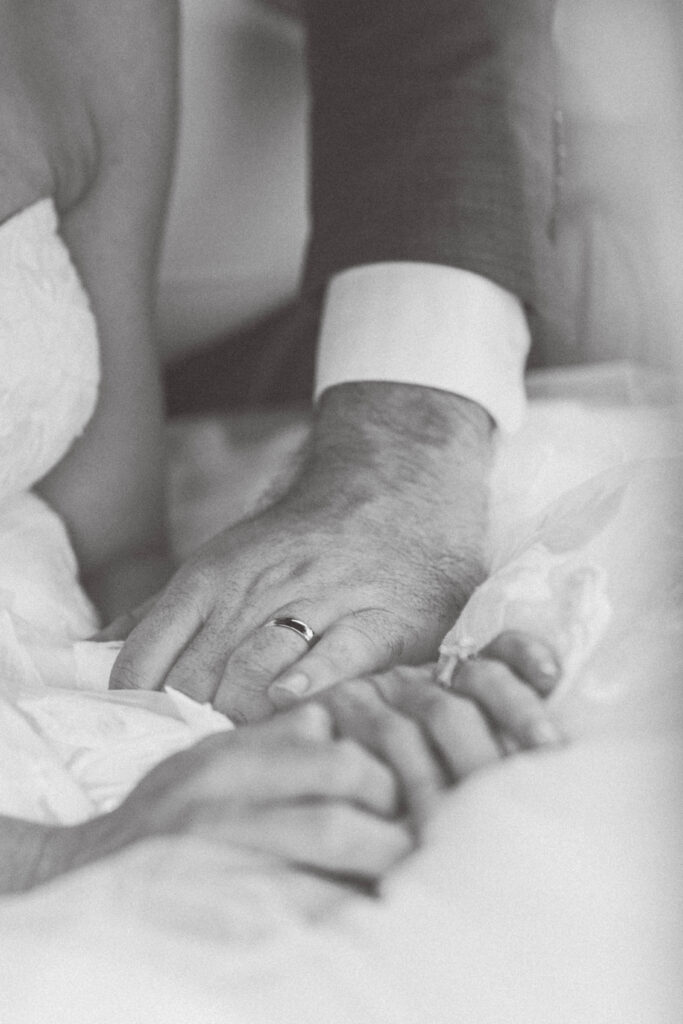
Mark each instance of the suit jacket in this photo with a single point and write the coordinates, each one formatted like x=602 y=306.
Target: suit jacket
x=431 y=135
x=432 y=140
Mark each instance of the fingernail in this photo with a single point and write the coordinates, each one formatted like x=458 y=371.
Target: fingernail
x=296 y=685
x=545 y=734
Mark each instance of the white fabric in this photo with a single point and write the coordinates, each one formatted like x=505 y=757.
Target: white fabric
x=548 y=888
x=49 y=368
x=429 y=325
x=49 y=358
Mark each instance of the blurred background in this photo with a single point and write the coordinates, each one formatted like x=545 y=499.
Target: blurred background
x=238 y=222
x=611 y=271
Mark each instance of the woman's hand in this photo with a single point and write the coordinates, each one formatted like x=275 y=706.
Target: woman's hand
x=509 y=680
x=432 y=737
x=283 y=788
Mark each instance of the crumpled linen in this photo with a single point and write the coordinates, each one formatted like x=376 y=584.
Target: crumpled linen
x=68 y=748
x=578 y=564
x=49 y=356
x=547 y=887
x=598 y=568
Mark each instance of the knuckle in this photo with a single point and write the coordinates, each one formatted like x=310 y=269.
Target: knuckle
x=190 y=581
x=377 y=629
x=255 y=657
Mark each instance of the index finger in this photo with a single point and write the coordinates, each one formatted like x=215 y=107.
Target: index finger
x=153 y=646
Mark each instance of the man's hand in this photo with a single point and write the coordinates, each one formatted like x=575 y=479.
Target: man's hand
x=376 y=546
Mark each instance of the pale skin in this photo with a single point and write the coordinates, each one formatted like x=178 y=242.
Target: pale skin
x=376 y=543
x=344 y=784
x=87 y=117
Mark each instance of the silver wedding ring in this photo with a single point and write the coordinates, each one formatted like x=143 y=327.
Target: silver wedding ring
x=296 y=626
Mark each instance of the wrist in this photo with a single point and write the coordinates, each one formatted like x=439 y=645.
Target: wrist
x=34 y=853
x=407 y=442
x=75 y=846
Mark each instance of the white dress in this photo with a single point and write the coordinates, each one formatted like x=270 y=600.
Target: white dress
x=69 y=748
x=49 y=373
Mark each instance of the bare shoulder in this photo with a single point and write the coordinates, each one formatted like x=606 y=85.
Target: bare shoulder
x=82 y=85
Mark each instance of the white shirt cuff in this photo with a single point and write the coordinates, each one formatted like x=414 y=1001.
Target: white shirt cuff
x=430 y=325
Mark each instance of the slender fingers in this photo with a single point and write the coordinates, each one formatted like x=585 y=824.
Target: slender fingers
x=331 y=837
x=309 y=721
x=513 y=708
x=309 y=770
x=454 y=726
x=530 y=658
x=360 y=712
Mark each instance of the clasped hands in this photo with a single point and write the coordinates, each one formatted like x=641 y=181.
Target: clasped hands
x=376 y=545
x=345 y=783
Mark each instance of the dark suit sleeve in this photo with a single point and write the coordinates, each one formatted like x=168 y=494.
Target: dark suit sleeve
x=426 y=131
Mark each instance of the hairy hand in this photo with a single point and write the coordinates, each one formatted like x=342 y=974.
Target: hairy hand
x=376 y=546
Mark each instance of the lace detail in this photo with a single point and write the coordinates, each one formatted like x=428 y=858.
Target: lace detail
x=49 y=356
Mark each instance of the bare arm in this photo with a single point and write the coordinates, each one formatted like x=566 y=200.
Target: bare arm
x=285 y=789
x=110 y=487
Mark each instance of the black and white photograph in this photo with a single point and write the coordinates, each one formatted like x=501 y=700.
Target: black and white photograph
x=341 y=512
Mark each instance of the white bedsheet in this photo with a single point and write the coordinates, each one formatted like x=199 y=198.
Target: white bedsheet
x=550 y=887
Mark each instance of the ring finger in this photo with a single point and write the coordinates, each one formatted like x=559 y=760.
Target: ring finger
x=268 y=650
